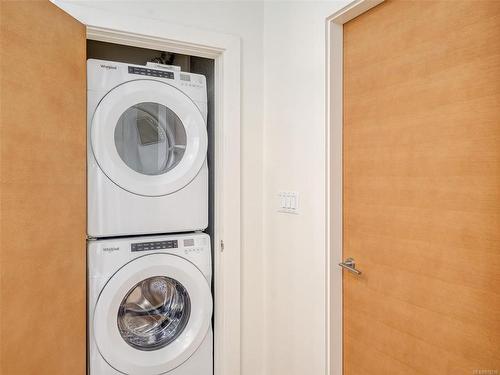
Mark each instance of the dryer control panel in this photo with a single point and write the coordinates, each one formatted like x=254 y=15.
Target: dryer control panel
x=150 y=72
x=155 y=245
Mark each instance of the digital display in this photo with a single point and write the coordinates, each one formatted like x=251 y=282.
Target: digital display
x=189 y=242
x=148 y=133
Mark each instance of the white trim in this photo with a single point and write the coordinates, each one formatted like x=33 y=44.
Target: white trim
x=225 y=50
x=334 y=165
x=352 y=10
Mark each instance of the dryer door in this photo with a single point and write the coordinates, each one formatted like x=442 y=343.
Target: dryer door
x=148 y=137
x=152 y=314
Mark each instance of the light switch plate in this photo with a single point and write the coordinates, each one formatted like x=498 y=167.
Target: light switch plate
x=288 y=202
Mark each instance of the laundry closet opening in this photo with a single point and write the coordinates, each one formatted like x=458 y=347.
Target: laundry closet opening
x=150 y=138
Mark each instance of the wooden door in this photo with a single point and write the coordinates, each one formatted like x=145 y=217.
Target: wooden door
x=422 y=189
x=42 y=196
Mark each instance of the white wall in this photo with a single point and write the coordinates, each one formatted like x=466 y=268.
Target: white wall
x=244 y=19
x=294 y=159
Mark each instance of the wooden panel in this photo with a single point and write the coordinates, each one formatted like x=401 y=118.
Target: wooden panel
x=42 y=295
x=422 y=188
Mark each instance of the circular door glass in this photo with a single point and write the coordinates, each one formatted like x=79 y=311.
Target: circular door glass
x=154 y=313
x=150 y=138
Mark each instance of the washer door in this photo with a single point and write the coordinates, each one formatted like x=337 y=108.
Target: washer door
x=148 y=137
x=152 y=315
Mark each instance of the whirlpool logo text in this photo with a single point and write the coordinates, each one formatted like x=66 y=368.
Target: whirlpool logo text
x=109 y=67
x=110 y=249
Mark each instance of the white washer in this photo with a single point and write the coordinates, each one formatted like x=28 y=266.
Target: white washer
x=150 y=305
x=147 y=150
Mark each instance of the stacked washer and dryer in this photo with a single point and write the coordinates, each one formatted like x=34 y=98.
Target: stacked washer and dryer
x=149 y=263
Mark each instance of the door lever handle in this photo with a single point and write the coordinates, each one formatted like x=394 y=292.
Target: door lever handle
x=350 y=265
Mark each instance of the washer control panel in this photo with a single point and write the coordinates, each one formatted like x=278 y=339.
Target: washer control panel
x=150 y=72
x=155 y=245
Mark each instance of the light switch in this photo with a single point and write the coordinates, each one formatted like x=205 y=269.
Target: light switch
x=288 y=202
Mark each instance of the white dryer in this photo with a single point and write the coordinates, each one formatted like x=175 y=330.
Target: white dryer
x=147 y=150
x=150 y=305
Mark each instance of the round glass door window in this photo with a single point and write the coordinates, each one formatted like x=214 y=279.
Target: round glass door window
x=150 y=138
x=154 y=313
